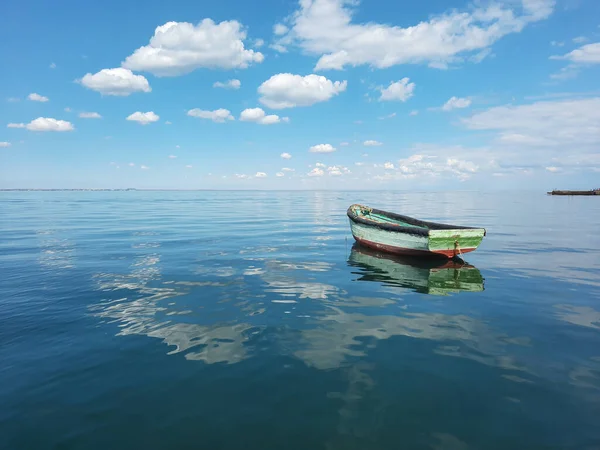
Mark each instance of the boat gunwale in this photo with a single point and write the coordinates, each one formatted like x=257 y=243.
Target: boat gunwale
x=425 y=226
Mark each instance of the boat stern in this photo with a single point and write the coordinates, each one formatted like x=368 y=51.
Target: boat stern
x=455 y=242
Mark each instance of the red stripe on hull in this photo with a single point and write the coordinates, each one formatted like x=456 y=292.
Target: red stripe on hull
x=410 y=251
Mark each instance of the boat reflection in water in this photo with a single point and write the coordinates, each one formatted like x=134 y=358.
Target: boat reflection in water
x=424 y=275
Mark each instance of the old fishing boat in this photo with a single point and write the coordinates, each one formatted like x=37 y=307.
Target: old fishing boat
x=431 y=276
x=400 y=234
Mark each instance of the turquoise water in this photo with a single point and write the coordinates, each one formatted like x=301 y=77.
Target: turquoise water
x=226 y=320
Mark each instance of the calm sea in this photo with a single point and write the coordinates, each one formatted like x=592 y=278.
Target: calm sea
x=248 y=320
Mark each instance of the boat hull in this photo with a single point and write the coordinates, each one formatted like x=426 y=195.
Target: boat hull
x=438 y=243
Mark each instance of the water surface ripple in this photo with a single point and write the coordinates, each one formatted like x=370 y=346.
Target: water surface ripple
x=227 y=320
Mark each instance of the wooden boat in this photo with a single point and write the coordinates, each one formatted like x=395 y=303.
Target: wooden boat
x=400 y=234
x=592 y=192
x=424 y=275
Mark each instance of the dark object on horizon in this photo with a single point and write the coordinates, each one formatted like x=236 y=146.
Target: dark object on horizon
x=592 y=192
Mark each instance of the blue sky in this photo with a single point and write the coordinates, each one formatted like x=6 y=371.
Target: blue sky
x=306 y=94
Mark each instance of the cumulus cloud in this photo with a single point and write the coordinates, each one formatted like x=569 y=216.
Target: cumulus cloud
x=399 y=91
x=279 y=29
x=286 y=90
x=257 y=115
x=585 y=55
x=260 y=175
x=5 y=144
x=372 y=143
x=316 y=172
x=280 y=174
x=229 y=84
x=572 y=123
x=322 y=148
x=178 y=48
x=37 y=98
x=326 y=28
x=118 y=82
x=319 y=164
x=143 y=118
x=337 y=170
x=286 y=156
x=218 y=115
x=456 y=103
x=90 y=115
x=287 y=169
x=388 y=165
x=44 y=124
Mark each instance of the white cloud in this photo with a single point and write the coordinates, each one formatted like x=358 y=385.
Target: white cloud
x=229 y=84
x=319 y=164
x=144 y=167
x=388 y=165
x=456 y=103
x=413 y=112
x=278 y=48
x=586 y=54
x=178 y=48
x=5 y=144
x=552 y=169
x=67 y=109
x=316 y=172
x=189 y=166
x=260 y=175
x=172 y=156
x=286 y=90
x=562 y=133
x=570 y=123
x=322 y=148
x=44 y=124
x=218 y=115
x=90 y=115
x=52 y=66
x=337 y=170
x=399 y=91
x=258 y=115
x=325 y=28
x=259 y=43
x=359 y=164
x=168 y=122
x=287 y=169
x=118 y=82
x=580 y=39
x=280 y=174
x=372 y=143
x=557 y=44
x=344 y=144
x=143 y=118
x=37 y=98
x=389 y=116
x=279 y=29
x=286 y=156
x=131 y=164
